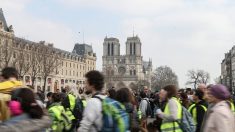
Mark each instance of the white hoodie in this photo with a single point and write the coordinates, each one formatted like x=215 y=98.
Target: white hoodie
x=92 y=116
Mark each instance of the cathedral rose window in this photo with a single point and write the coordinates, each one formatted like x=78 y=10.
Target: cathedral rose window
x=122 y=70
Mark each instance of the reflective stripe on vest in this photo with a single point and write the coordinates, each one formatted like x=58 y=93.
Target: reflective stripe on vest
x=193 y=111
x=232 y=106
x=72 y=101
x=172 y=126
x=139 y=114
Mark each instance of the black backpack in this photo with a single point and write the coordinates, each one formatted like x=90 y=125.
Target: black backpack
x=77 y=111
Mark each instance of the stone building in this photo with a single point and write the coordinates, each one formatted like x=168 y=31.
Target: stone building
x=125 y=70
x=41 y=64
x=227 y=76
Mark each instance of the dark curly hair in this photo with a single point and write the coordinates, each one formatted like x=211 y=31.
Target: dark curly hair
x=9 y=72
x=96 y=79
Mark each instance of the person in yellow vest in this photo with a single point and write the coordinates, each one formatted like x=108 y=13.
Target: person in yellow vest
x=198 y=109
x=9 y=81
x=61 y=121
x=172 y=111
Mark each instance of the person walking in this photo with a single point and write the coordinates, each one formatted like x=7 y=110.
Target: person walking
x=172 y=111
x=92 y=115
x=198 y=109
x=219 y=117
x=9 y=82
x=61 y=122
x=23 y=108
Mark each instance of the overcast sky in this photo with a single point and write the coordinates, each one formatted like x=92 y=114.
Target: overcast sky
x=183 y=34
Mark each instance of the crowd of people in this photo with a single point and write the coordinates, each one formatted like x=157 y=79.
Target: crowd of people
x=206 y=109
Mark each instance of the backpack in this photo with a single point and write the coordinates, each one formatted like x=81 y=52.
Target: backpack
x=149 y=109
x=77 y=111
x=115 y=117
x=186 y=123
x=62 y=123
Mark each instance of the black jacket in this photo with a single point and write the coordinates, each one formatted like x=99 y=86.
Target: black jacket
x=199 y=114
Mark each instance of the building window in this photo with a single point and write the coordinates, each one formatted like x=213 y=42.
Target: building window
x=69 y=73
x=130 y=48
x=14 y=55
x=66 y=66
x=134 y=72
x=112 y=49
x=130 y=72
x=108 y=49
x=134 y=49
x=70 y=64
x=66 y=72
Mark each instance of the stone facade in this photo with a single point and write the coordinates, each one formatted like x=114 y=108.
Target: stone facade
x=125 y=70
x=69 y=68
x=228 y=70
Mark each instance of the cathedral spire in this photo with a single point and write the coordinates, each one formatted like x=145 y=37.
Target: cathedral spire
x=3 y=21
x=133 y=31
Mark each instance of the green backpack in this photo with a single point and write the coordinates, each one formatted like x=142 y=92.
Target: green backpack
x=61 y=122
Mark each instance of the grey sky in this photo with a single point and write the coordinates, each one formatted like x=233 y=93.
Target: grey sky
x=183 y=34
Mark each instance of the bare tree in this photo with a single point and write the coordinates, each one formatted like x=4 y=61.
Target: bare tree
x=141 y=83
x=6 y=53
x=197 y=77
x=36 y=63
x=21 y=58
x=203 y=76
x=50 y=63
x=163 y=76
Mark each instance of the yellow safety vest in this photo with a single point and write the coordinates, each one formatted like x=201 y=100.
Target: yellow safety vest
x=56 y=111
x=193 y=111
x=232 y=107
x=139 y=114
x=84 y=103
x=172 y=126
x=72 y=100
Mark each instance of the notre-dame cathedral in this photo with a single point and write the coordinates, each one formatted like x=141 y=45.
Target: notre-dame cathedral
x=125 y=70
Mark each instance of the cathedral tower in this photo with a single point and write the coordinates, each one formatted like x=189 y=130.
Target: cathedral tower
x=111 y=47
x=133 y=46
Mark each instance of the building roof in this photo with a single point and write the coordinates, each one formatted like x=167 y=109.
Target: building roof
x=82 y=49
x=136 y=38
x=111 y=39
x=3 y=20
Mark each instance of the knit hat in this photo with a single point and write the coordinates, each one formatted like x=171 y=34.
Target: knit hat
x=220 y=92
